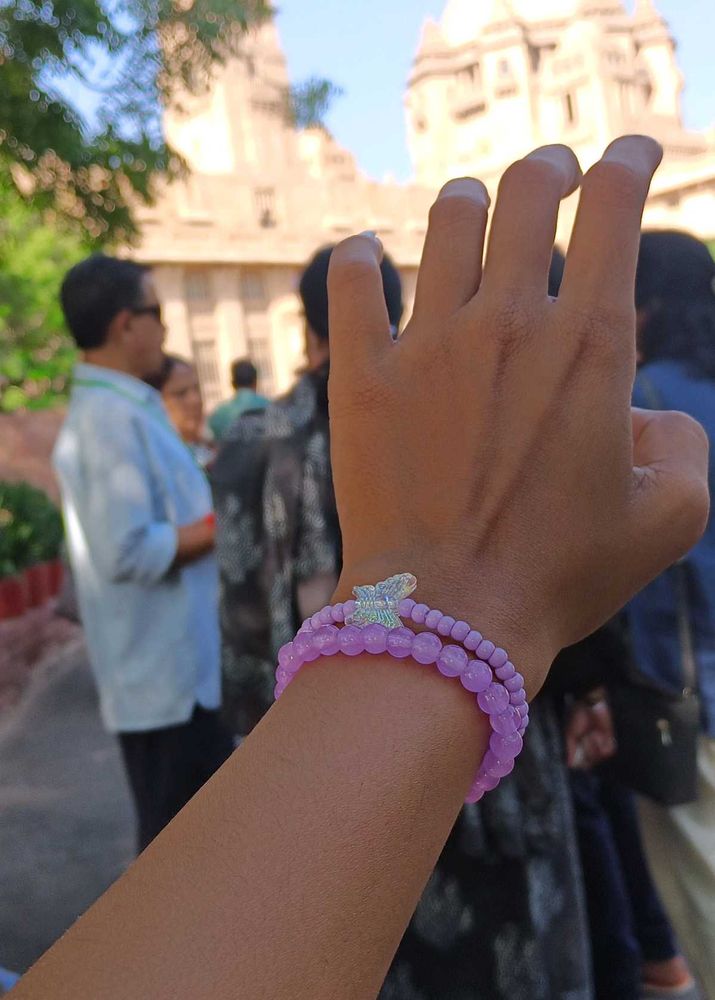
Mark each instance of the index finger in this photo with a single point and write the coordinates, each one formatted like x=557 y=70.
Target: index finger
x=357 y=313
x=603 y=252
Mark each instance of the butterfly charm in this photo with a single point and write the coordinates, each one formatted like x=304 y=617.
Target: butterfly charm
x=381 y=602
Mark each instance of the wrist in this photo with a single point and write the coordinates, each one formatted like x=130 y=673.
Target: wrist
x=472 y=595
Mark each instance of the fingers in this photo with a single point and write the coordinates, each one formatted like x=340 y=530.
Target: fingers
x=602 y=256
x=524 y=224
x=670 y=457
x=357 y=314
x=451 y=266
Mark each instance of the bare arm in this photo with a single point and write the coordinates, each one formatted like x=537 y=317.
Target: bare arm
x=235 y=900
x=194 y=540
x=525 y=497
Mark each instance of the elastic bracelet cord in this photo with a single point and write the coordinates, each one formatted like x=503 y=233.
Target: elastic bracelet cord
x=488 y=674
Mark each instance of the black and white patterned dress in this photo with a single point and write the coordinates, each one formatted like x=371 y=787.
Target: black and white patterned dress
x=502 y=917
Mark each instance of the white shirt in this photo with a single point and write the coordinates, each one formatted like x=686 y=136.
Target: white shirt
x=128 y=482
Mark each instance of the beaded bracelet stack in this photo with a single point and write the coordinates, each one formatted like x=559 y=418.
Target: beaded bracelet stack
x=372 y=625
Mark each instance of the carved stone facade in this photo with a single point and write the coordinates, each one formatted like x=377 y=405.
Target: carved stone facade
x=492 y=80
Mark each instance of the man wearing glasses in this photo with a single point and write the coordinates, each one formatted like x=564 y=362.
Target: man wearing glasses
x=140 y=534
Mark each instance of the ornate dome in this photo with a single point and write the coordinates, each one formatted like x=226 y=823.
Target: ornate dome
x=465 y=20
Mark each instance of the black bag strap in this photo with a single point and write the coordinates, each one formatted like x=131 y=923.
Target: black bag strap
x=680 y=574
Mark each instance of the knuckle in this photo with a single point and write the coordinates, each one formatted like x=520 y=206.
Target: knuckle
x=354 y=394
x=603 y=335
x=690 y=509
x=689 y=427
x=612 y=183
x=510 y=323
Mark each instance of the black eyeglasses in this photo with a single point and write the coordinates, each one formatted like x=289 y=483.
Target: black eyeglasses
x=154 y=311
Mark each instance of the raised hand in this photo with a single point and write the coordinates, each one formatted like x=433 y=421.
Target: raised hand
x=492 y=450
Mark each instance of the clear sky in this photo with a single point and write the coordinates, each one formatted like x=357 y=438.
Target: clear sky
x=367 y=46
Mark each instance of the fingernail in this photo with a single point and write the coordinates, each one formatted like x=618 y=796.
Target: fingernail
x=468 y=187
x=562 y=157
x=634 y=150
x=371 y=234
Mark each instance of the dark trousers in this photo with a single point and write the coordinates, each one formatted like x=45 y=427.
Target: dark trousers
x=627 y=921
x=166 y=767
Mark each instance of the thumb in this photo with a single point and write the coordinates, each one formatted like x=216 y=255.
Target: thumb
x=670 y=475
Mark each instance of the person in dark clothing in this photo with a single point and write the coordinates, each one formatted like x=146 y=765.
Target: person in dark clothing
x=633 y=946
x=502 y=915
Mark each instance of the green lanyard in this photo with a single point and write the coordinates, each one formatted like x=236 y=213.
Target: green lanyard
x=154 y=412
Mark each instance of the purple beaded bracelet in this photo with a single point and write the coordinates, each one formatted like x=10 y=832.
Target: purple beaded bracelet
x=490 y=675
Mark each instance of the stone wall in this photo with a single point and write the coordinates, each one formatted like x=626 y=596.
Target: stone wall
x=26 y=442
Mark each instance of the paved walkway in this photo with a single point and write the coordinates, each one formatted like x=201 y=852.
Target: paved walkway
x=66 y=823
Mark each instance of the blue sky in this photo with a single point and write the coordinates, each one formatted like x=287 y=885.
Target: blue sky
x=366 y=46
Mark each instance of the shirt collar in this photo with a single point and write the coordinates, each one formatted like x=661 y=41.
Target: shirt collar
x=126 y=383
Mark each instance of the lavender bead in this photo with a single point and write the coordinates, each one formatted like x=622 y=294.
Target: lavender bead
x=494 y=700
x=338 y=613
x=405 y=607
x=485 y=649
x=326 y=615
x=278 y=691
x=472 y=640
x=399 y=642
x=514 y=683
x=452 y=661
x=375 y=638
x=460 y=631
x=283 y=676
x=506 y=671
x=501 y=766
x=285 y=655
x=505 y=747
x=444 y=627
x=475 y=793
x=419 y=613
x=327 y=640
x=351 y=640
x=517 y=697
x=303 y=647
x=433 y=618
x=476 y=676
x=316 y=621
x=426 y=647
x=507 y=722
x=522 y=709
x=487 y=781
x=348 y=609
x=498 y=658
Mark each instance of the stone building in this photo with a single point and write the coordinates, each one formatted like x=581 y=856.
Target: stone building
x=491 y=80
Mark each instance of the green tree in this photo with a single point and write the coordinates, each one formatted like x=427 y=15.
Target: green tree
x=36 y=355
x=70 y=176
x=309 y=102
x=131 y=56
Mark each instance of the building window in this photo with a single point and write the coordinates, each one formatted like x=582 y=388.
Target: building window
x=504 y=69
x=266 y=206
x=258 y=342
x=203 y=332
x=470 y=78
x=207 y=369
x=197 y=283
x=253 y=291
x=570 y=110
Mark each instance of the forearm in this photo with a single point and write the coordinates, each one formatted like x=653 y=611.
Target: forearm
x=281 y=879
x=195 y=540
